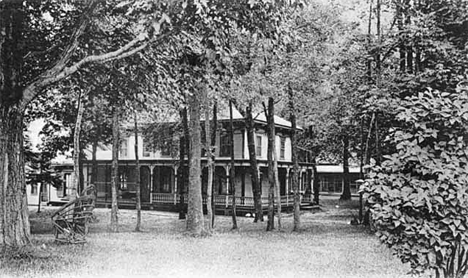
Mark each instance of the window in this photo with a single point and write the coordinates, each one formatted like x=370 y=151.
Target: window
x=166 y=182
x=282 y=147
x=331 y=183
x=123 y=181
x=166 y=148
x=33 y=189
x=147 y=148
x=224 y=145
x=123 y=151
x=258 y=145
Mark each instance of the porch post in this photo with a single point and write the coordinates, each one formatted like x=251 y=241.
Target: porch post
x=287 y=185
x=226 y=168
x=175 y=168
x=151 y=184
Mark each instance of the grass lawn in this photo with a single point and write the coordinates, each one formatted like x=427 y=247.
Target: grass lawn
x=328 y=246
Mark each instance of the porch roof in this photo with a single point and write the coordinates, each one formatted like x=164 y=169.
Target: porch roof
x=336 y=169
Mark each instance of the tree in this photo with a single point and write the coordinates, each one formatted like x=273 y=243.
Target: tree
x=272 y=169
x=232 y=172
x=209 y=164
x=295 y=178
x=254 y=172
x=137 y=174
x=114 y=224
x=20 y=85
x=195 y=205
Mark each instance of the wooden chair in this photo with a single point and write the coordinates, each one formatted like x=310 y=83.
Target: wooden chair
x=72 y=219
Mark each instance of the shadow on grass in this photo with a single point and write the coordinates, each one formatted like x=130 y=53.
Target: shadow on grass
x=41 y=256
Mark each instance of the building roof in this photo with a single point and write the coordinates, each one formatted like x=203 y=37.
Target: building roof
x=336 y=169
x=260 y=117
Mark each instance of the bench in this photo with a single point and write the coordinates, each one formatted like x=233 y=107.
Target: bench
x=71 y=221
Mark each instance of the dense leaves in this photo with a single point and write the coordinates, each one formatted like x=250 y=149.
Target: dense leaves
x=418 y=196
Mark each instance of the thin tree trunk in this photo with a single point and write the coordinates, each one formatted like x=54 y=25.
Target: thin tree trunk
x=316 y=182
x=81 y=158
x=361 y=170
x=232 y=169
x=209 y=165
x=272 y=172
x=369 y=42
x=409 y=48
x=183 y=173
x=402 y=43
x=254 y=173
x=369 y=135
x=39 y=199
x=346 y=194
x=77 y=148
x=114 y=224
x=195 y=201
x=137 y=178
x=214 y=135
x=295 y=177
x=277 y=187
x=94 y=173
x=378 y=62
x=378 y=154
x=94 y=159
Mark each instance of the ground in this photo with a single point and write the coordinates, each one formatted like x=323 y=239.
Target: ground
x=327 y=246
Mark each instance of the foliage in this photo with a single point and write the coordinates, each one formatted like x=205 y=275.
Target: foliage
x=419 y=195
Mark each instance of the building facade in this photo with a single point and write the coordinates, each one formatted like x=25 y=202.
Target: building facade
x=162 y=175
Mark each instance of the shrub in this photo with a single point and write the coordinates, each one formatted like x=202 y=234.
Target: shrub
x=418 y=195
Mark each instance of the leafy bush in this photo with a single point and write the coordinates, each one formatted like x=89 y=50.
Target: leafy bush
x=418 y=197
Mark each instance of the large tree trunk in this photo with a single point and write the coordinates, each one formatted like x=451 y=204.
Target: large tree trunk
x=137 y=179
x=209 y=165
x=346 y=194
x=232 y=172
x=14 y=222
x=14 y=219
x=295 y=178
x=114 y=225
x=195 y=201
x=77 y=148
x=254 y=173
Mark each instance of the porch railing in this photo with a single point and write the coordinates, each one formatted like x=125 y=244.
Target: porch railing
x=222 y=200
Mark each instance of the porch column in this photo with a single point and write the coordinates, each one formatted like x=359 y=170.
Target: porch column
x=286 y=185
x=301 y=185
x=227 y=168
x=175 y=168
x=151 y=169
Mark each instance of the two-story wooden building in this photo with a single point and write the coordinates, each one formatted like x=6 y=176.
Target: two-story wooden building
x=159 y=168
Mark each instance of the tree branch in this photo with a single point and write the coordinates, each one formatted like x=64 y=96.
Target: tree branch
x=60 y=71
